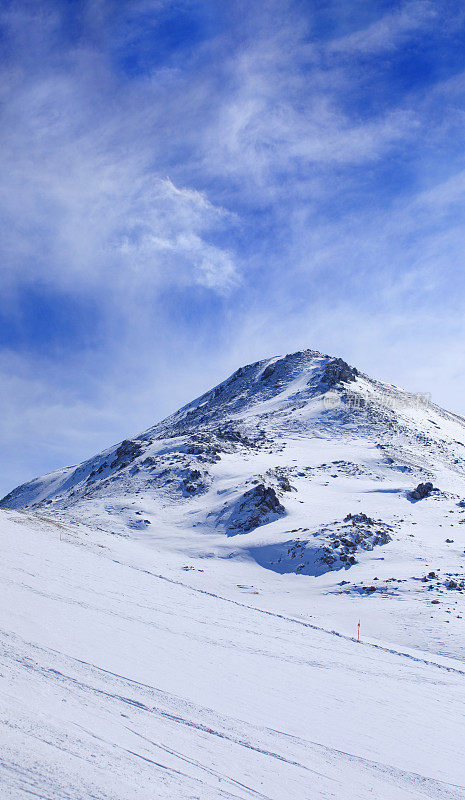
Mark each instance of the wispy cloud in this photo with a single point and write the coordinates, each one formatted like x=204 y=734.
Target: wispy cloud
x=389 y=31
x=193 y=186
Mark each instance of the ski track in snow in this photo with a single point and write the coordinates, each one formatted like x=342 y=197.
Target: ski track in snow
x=304 y=624
x=129 y=738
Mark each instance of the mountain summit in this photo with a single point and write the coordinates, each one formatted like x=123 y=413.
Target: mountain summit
x=263 y=408
x=312 y=462
x=268 y=390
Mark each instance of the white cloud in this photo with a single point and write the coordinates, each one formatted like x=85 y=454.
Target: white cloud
x=85 y=197
x=389 y=31
x=122 y=189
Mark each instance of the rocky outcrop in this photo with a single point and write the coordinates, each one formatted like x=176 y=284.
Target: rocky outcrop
x=338 y=371
x=127 y=452
x=330 y=548
x=256 y=507
x=423 y=490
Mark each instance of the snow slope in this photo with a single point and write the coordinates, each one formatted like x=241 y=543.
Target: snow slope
x=181 y=610
x=127 y=678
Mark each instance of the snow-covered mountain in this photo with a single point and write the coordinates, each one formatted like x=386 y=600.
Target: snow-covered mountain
x=264 y=408
x=311 y=461
x=209 y=575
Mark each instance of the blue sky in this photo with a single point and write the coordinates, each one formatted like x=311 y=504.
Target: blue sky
x=189 y=186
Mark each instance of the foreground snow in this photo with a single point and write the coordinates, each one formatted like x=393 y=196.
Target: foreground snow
x=128 y=676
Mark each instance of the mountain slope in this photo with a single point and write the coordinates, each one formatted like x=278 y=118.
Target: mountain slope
x=181 y=610
x=304 y=466
x=128 y=678
x=261 y=408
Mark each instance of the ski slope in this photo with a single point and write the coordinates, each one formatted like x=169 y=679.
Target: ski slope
x=126 y=676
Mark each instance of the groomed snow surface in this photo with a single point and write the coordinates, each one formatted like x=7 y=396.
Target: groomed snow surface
x=127 y=676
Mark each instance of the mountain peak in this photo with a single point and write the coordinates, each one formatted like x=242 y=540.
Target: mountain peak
x=295 y=376
x=255 y=415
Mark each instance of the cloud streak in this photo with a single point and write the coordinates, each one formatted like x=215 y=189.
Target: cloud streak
x=187 y=188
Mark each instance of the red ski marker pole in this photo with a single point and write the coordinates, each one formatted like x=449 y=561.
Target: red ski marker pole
x=358 y=631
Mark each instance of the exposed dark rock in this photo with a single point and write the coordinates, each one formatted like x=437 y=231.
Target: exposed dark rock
x=255 y=507
x=423 y=490
x=338 y=371
x=458 y=585
x=125 y=453
x=356 y=519
x=330 y=548
x=231 y=433
x=268 y=372
x=206 y=451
